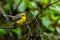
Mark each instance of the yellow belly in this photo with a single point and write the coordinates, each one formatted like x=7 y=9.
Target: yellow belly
x=21 y=21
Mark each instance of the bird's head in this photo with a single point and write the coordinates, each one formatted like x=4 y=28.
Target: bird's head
x=23 y=14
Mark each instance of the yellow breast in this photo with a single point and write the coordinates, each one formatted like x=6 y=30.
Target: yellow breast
x=22 y=20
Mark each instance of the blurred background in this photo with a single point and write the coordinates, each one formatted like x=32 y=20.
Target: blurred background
x=42 y=20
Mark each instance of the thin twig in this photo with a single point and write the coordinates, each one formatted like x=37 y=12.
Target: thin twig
x=50 y=4
x=10 y=34
x=38 y=29
x=7 y=19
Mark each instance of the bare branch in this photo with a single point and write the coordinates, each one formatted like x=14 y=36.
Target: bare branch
x=7 y=19
x=50 y=4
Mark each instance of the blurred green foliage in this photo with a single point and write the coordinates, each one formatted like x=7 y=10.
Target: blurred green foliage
x=48 y=19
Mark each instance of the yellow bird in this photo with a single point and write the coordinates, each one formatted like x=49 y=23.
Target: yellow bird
x=22 y=19
x=19 y=18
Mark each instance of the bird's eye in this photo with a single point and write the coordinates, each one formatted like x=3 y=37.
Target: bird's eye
x=23 y=15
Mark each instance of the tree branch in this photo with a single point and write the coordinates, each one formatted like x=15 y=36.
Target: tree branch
x=2 y=11
x=50 y=4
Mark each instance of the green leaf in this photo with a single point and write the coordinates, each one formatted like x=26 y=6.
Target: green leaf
x=22 y=6
x=54 y=18
x=44 y=1
x=51 y=28
x=59 y=21
x=52 y=1
x=36 y=0
x=58 y=29
x=8 y=5
x=32 y=5
x=3 y=31
x=56 y=8
x=17 y=1
x=17 y=30
x=35 y=12
x=46 y=21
